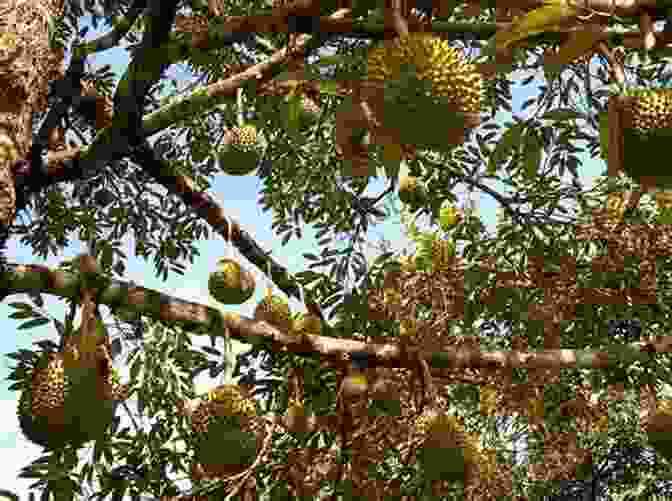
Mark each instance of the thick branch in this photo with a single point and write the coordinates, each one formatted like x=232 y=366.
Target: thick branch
x=199 y=318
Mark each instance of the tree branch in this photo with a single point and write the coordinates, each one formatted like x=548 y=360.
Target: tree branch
x=198 y=318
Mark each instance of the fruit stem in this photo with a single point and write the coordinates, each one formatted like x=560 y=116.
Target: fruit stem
x=239 y=104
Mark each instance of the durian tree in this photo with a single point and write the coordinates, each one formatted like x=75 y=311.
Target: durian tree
x=422 y=360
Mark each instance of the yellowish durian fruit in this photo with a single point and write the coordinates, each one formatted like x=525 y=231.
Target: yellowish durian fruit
x=234 y=403
x=435 y=61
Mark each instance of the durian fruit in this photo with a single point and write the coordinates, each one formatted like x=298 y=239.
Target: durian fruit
x=230 y=284
x=443 y=453
x=307 y=323
x=411 y=191
x=659 y=429
x=429 y=79
x=224 y=445
x=239 y=155
x=646 y=136
x=275 y=311
x=65 y=405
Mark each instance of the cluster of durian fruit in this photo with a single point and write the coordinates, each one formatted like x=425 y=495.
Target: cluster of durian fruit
x=231 y=284
x=433 y=60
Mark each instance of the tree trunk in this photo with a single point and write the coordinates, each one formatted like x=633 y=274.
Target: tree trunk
x=27 y=65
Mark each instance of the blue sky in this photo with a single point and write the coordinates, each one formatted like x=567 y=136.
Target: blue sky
x=238 y=197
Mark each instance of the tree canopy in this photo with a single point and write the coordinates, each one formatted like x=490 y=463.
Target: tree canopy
x=414 y=375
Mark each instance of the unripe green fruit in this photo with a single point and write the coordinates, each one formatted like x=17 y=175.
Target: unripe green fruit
x=230 y=284
x=239 y=155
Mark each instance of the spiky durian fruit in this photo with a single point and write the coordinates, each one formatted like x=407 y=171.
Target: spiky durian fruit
x=275 y=311
x=239 y=155
x=647 y=135
x=444 y=451
x=307 y=323
x=425 y=77
x=223 y=444
x=432 y=60
x=411 y=191
x=230 y=284
x=49 y=388
x=65 y=405
x=659 y=428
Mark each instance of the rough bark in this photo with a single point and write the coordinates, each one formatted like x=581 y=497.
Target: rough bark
x=27 y=65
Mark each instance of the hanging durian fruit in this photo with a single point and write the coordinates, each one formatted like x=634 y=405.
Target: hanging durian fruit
x=56 y=409
x=239 y=155
x=274 y=310
x=443 y=453
x=646 y=135
x=230 y=284
x=224 y=442
x=427 y=84
x=659 y=428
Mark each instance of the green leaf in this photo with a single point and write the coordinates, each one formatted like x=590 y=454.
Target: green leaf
x=504 y=147
x=21 y=306
x=106 y=258
x=34 y=323
x=562 y=114
x=533 y=147
x=22 y=314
